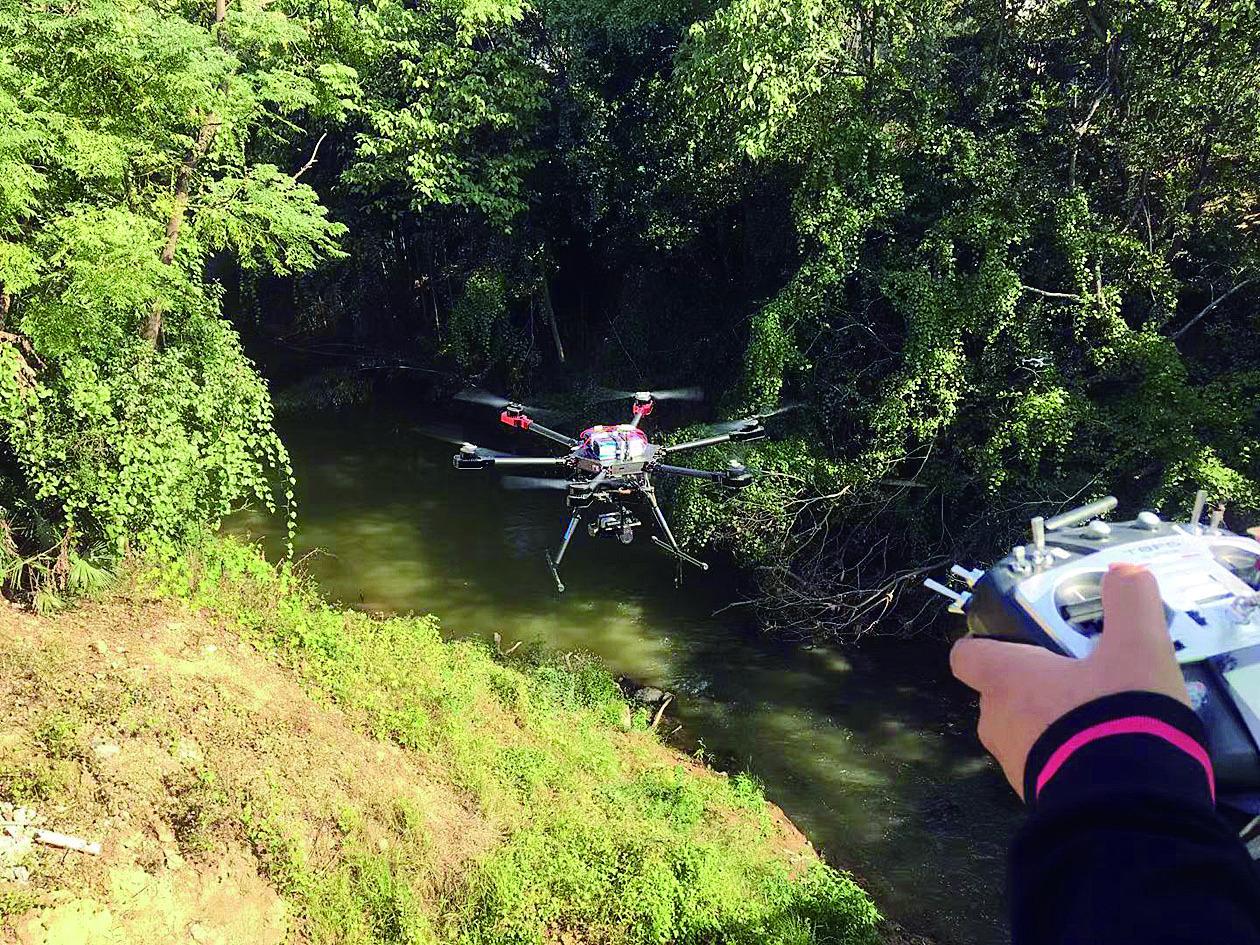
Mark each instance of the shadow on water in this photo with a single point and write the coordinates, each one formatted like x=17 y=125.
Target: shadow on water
x=868 y=751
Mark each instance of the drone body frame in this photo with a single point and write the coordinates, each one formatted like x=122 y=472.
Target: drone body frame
x=608 y=468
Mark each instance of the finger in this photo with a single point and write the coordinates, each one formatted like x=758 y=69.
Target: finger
x=984 y=727
x=1133 y=612
x=985 y=664
x=989 y=730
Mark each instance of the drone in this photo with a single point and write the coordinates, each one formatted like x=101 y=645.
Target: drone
x=609 y=468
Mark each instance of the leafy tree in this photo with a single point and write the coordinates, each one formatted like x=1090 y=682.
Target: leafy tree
x=1013 y=223
x=1006 y=255
x=139 y=139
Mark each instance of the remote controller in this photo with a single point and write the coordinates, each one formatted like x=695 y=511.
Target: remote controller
x=1048 y=592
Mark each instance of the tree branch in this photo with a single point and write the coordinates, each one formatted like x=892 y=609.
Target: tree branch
x=1051 y=295
x=151 y=330
x=1082 y=128
x=314 y=153
x=26 y=353
x=1207 y=309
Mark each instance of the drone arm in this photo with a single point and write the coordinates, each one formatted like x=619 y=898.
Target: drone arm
x=552 y=434
x=528 y=460
x=690 y=473
x=752 y=430
x=696 y=444
x=514 y=416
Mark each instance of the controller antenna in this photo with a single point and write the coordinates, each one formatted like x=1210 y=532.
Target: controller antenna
x=959 y=601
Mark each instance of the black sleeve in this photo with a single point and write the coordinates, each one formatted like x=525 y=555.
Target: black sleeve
x=1123 y=844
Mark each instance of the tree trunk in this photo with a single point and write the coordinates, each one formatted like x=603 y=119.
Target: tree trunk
x=550 y=314
x=151 y=330
x=6 y=301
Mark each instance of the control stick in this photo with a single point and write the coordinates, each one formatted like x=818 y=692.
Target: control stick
x=1200 y=500
x=1039 y=539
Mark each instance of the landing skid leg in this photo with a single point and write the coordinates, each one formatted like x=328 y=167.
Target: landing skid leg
x=554 y=565
x=671 y=545
x=680 y=554
x=555 y=574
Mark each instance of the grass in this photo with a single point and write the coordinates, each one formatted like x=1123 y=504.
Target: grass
x=530 y=815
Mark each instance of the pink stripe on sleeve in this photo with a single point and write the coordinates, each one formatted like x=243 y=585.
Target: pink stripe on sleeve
x=1131 y=725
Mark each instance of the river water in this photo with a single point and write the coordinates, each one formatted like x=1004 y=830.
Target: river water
x=869 y=751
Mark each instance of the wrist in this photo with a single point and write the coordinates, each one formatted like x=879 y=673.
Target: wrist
x=1128 y=742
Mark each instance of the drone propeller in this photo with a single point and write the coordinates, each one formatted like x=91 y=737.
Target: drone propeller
x=676 y=393
x=477 y=395
x=532 y=482
x=450 y=435
x=728 y=425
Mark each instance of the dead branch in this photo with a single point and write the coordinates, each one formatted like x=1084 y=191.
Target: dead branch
x=310 y=163
x=1051 y=295
x=1207 y=309
x=660 y=713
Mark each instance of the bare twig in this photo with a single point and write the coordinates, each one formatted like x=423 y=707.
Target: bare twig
x=1051 y=295
x=314 y=154
x=660 y=713
x=1207 y=309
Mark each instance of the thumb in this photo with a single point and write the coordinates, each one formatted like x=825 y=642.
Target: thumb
x=989 y=665
x=1134 y=621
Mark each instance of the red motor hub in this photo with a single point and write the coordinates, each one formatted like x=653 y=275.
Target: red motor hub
x=515 y=417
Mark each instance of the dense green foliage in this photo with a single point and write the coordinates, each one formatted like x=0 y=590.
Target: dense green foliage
x=600 y=834
x=1008 y=256
x=135 y=144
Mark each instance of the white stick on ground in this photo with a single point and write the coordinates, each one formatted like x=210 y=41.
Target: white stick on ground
x=67 y=842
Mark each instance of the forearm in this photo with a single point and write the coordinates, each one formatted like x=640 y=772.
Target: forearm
x=1123 y=843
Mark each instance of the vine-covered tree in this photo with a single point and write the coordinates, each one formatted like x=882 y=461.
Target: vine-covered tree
x=1027 y=238
x=1007 y=255
x=139 y=139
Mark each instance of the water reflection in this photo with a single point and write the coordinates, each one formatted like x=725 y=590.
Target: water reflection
x=866 y=751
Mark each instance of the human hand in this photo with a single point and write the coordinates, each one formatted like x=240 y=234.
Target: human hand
x=1024 y=688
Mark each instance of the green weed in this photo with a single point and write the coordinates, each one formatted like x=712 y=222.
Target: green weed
x=58 y=736
x=15 y=902
x=198 y=810
x=601 y=831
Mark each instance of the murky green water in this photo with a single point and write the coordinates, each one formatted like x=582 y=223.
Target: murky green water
x=867 y=751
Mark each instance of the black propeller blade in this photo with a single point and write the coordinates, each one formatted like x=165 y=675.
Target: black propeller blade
x=728 y=425
x=451 y=435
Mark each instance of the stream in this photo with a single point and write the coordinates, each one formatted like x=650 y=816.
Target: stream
x=869 y=750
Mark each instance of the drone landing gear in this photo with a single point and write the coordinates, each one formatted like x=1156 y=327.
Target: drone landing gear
x=680 y=554
x=671 y=544
x=554 y=565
